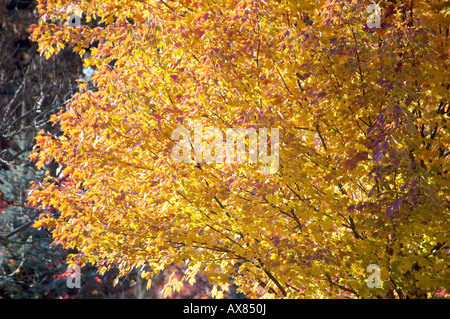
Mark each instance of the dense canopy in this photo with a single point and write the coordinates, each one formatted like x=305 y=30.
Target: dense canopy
x=362 y=115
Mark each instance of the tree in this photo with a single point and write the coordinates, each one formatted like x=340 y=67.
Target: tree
x=31 y=89
x=362 y=118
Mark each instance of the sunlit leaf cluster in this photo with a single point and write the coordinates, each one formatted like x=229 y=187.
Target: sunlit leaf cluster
x=364 y=143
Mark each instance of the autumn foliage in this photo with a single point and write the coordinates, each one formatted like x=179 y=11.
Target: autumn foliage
x=362 y=115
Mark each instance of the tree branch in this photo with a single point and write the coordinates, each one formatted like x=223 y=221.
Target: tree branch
x=15 y=231
x=340 y=286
